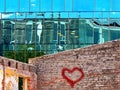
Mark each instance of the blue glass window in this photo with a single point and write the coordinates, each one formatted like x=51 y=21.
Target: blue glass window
x=46 y=5
x=64 y=15
x=103 y=5
x=97 y=15
x=105 y=15
x=83 y=5
x=1 y=5
x=24 y=5
x=114 y=14
x=58 y=5
x=74 y=15
x=20 y=15
x=86 y=15
x=115 y=5
x=11 y=5
x=68 y=5
x=48 y=15
x=34 y=5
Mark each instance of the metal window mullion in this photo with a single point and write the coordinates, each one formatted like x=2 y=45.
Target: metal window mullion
x=39 y=5
x=29 y=5
x=93 y=29
x=68 y=29
x=109 y=26
x=94 y=5
x=18 y=5
x=25 y=39
x=0 y=29
x=64 y=5
x=111 y=6
x=102 y=24
x=93 y=19
x=79 y=28
x=44 y=33
x=4 y=5
x=72 y=5
x=52 y=5
x=15 y=37
x=35 y=32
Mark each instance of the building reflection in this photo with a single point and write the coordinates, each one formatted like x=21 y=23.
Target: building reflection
x=52 y=35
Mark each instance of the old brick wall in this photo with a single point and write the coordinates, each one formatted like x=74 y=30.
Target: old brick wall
x=11 y=70
x=100 y=65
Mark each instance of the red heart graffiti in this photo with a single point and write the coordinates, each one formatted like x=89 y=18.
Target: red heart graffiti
x=70 y=81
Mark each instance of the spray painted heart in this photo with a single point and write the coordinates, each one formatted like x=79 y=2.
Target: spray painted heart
x=69 y=80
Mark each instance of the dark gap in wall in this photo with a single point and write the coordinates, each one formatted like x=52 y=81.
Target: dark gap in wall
x=16 y=65
x=20 y=84
x=9 y=63
x=23 y=67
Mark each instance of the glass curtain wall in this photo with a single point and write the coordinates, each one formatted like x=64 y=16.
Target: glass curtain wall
x=56 y=26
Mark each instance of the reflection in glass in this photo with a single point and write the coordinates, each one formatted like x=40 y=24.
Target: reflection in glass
x=56 y=34
x=53 y=26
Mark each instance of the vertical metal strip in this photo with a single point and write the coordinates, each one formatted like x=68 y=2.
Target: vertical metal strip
x=35 y=32
x=72 y=5
x=79 y=28
x=15 y=36
x=29 y=5
x=4 y=5
x=68 y=29
x=93 y=19
x=25 y=38
x=64 y=5
x=43 y=31
x=0 y=30
x=52 y=5
x=102 y=27
x=109 y=26
x=3 y=81
x=111 y=6
x=94 y=5
x=109 y=19
x=40 y=5
x=18 y=5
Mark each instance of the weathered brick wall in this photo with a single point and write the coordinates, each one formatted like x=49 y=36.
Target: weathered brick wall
x=11 y=70
x=99 y=63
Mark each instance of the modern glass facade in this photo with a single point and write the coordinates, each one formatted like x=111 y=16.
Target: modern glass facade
x=52 y=26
